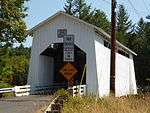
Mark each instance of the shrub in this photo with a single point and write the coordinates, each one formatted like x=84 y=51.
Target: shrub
x=5 y=85
x=62 y=92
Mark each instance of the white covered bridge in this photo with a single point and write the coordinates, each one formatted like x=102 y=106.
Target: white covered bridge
x=91 y=49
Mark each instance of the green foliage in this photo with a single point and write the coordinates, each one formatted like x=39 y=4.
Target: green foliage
x=77 y=8
x=13 y=28
x=9 y=94
x=124 y=25
x=69 y=7
x=62 y=92
x=81 y=10
x=136 y=37
x=142 y=47
x=139 y=40
x=142 y=64
x=20 y=69
x=5 y=85
x=147 y=35
x=99 y=19
x=14 y=65
x=123 y=22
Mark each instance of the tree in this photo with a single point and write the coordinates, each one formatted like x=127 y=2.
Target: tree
x=21 y=50
x=69 y=7
x=13 y=28
x=14 y=63
x=147 y=35
x=81 y=10
x=77 y=8
x=140 y=39
x=141 y=45
x=99 y=19
x=6 y=69
x=20 y=69
x=148 y=17
x=124 y=25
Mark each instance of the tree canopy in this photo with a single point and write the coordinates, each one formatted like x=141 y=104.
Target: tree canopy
x=124 y=25
x=81 y=10
x=14 y=64
x=137 y=38
x=13 y=27
x=134 y=36
x=13 y=61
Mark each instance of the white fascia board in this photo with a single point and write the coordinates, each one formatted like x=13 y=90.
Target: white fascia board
x=31 y=31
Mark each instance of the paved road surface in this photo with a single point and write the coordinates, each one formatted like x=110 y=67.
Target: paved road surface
x=26 y=104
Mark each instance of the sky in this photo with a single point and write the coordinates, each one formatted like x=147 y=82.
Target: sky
x=39 y=10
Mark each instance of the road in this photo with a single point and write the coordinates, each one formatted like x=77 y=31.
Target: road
x=26 y=104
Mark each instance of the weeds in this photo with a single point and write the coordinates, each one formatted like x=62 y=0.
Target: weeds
x=130 y=104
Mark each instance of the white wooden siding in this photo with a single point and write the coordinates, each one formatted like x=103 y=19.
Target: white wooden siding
x=41 y=67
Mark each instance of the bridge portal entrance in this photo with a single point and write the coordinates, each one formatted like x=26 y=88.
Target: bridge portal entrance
x=77 y=73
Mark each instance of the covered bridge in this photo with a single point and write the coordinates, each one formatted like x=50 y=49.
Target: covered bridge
x=64 y=46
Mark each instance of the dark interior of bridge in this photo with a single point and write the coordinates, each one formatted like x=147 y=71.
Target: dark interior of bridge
x=56 y=51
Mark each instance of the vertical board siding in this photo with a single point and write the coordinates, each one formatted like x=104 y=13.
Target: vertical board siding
x=132 y=79
x=97 y=58
x=103 y=68
x=122 y=75
x=46 y=75
x=47 y=34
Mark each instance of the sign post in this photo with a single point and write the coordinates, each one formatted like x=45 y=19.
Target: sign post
x=68 y=70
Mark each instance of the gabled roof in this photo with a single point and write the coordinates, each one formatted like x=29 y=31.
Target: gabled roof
x=97 y=29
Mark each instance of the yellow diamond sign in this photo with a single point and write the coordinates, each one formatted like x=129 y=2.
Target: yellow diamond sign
x=68 y=71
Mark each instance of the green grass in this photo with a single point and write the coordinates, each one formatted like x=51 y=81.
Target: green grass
x=130 y=104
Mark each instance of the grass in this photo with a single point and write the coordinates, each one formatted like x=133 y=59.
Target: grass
x=130 y=104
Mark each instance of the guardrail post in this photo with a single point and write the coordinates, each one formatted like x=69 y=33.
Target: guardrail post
x=78 y=90
x=22 y=90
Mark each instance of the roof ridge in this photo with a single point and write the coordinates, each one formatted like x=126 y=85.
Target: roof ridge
x=73 y=17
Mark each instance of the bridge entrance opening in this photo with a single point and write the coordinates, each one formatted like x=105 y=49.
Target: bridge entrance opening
x=78 y=67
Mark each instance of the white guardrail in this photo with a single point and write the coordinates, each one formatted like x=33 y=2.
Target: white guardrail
x=6 y=90
x=78 y=90
x=18 y=90
x=25 y=90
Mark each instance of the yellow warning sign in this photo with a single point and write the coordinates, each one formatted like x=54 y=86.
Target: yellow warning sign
x=68 y=71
